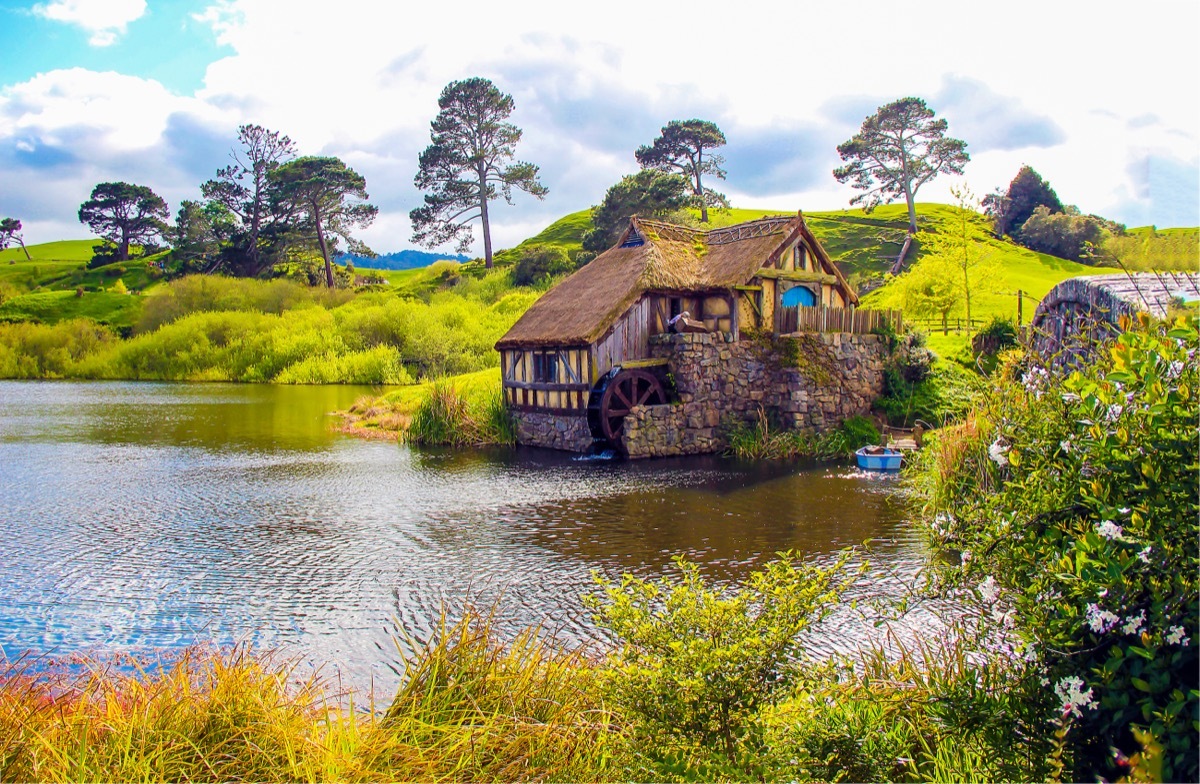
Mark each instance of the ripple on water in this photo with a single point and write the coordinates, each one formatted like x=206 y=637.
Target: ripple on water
x=155 y=516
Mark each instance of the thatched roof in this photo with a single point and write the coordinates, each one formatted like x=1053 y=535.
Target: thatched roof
x=655 y=256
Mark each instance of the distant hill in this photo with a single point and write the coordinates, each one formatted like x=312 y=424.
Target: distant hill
x=401 y=260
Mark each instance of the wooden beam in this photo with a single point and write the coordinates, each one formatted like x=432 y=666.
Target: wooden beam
x=644 y=363
x=799 y=277
x=748 y=288
x=545 y=386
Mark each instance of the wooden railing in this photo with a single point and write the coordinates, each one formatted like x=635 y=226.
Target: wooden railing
x=822 y=319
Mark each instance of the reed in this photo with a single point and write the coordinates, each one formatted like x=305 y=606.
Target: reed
x=470 y=708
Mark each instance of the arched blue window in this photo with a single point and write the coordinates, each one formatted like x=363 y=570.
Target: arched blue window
x=799 y=295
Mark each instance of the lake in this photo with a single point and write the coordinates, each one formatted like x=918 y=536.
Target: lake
x=145 y=516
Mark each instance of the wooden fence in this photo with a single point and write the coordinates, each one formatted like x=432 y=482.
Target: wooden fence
x=822 y=319
x=950 y=325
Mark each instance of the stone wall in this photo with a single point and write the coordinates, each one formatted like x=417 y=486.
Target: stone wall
x=1079 y=314
x=837 y=376
x=553 y=431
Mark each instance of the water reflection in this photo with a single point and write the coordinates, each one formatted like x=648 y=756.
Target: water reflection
x=156 y=515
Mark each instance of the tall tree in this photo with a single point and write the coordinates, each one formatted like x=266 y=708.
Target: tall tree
x=650 y=193
x=681 y=148
x=468 y=164
x=898 y=149
x=1027 y=191
x=10 y=229
x=324 y=196
x=244 y=188
x=125 y=214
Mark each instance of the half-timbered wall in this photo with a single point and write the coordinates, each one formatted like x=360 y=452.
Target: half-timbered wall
x=718 y=315
x=553 y=379
x=627 y=340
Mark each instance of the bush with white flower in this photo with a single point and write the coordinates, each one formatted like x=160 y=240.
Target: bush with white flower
x=1077 y=496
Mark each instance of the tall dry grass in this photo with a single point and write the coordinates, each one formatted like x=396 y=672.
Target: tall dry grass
x=470 y=708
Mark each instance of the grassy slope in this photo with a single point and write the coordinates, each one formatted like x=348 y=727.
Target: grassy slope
x=46 y=284
x=49 y=307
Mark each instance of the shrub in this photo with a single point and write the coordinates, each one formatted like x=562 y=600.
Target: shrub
x=695 y=664
x=539 y=263
x=763 y=439
x=1073 y=501
x=859 y=431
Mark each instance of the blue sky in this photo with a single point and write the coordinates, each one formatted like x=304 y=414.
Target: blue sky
x=1102 y=99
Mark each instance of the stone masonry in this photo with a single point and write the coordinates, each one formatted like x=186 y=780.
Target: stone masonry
x=838 y=376
x=553 y=431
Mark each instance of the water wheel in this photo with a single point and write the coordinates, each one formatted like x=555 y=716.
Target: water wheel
x=616 y=395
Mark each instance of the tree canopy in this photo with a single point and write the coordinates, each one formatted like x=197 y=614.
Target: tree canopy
x=650 y=193
x=244 y=189
x=1010 y=209
x=323 y=197
x=898 y=149
x=681 y=148
x=201 y=234
x=468 y=164
x=125 y=214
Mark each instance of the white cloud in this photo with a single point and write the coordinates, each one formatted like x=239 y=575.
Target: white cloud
x=104 y=19
x=362 y=82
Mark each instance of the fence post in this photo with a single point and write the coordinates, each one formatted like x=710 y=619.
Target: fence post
x=1020 y=302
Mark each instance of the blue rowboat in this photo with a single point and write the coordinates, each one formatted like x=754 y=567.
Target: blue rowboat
x=878 y=458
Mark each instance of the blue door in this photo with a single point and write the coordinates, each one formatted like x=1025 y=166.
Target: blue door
x=799 y=295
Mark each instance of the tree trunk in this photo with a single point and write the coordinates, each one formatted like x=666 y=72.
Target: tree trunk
x=27 y=256
x=703 y=202
x=487 y=228
x=898 y=266
x=324 y=247
x=123 y=247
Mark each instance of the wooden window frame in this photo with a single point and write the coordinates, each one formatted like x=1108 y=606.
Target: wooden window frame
x=545 y=367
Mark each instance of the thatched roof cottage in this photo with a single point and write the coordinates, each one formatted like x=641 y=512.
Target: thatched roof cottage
x=558 y=360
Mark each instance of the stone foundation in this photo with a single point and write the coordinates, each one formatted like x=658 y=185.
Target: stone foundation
x=553 y=431
x=718 y=383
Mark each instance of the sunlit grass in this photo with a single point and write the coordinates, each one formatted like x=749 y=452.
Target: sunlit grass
x=470 y=708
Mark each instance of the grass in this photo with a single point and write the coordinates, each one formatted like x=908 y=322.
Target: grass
x=470 y=708
x=52 y=307
x=566 y=233
x=1017 y=269
x=460 y=410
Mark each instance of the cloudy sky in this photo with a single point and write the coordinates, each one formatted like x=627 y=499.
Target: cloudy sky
x=1103 y=99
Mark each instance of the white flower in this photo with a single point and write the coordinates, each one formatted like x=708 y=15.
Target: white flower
x=1072 y=695
x=1114 y=412
x=1133 y=624
x=1175 y=369
x=1144 y=555
x=1070 y=397
x=1110 y=530
x=997 y=452
x=965 y=557
x=1176 y=635
x=1035 y=380
x=988 y=590
x=1065 y=446
x=1099 y=619
x=1124 y=510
